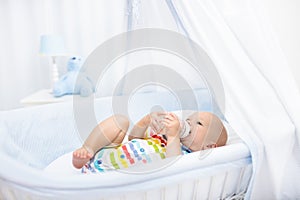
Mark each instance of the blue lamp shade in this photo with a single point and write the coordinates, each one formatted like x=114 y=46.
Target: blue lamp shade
x=52 y=45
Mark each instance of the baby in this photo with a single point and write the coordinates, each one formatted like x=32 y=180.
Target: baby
x=156 y=136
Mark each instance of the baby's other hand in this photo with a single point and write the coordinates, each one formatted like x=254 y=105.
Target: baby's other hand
x=156 y=121
x=172 y=125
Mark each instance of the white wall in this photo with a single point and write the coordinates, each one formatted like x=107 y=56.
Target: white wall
x=82 y=24
x=285 y=19
x=21 y=40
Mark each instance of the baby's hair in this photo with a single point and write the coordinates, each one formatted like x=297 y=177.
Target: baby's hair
x=223 y=137
x=216 y=132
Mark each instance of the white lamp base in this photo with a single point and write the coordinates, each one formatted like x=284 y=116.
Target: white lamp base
x=55 y=75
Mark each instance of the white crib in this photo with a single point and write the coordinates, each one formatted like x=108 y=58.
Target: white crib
x=31 y=138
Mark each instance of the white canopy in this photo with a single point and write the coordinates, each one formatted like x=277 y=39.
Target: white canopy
x=262 y=102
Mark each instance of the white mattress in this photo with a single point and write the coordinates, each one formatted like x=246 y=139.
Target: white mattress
x=58 y=179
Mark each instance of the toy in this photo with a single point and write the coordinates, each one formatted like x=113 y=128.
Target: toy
x=75 y=81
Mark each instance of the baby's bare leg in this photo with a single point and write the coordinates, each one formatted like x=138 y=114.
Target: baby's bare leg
x=111 y=130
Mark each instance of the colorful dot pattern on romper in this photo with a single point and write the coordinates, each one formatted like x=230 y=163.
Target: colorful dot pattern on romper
x=129 y=154
x=122 y=157
x=113 y=160
x=131 y=160
x=156 y=147
x=98 y=161
x=142 y=150
x=135 y=151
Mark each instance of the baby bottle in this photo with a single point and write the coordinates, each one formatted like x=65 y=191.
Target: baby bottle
x=185 y=129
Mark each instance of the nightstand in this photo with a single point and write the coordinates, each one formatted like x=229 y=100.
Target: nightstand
x=44 y=97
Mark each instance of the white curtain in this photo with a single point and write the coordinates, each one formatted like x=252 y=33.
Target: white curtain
x=84 y=24
x=262 y=100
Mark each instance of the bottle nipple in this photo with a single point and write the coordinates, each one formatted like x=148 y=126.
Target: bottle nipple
x=185 y=130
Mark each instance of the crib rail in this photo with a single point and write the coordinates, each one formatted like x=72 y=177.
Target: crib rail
x=227 y=185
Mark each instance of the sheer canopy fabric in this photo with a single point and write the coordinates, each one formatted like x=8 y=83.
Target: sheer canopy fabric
x=262 y=101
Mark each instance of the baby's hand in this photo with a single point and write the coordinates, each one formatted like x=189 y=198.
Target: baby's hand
x=156 y=121
x=172 y=125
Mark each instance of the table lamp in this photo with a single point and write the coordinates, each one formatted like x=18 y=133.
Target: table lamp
x=53 y=46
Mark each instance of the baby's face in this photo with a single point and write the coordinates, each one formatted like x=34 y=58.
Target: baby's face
x=199 y=123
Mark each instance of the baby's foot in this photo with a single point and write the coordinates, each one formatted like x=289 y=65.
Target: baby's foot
x=80 y=157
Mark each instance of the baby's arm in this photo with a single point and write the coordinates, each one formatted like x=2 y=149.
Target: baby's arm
x=172 y=129
x=138 y=131
x=153 y=120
